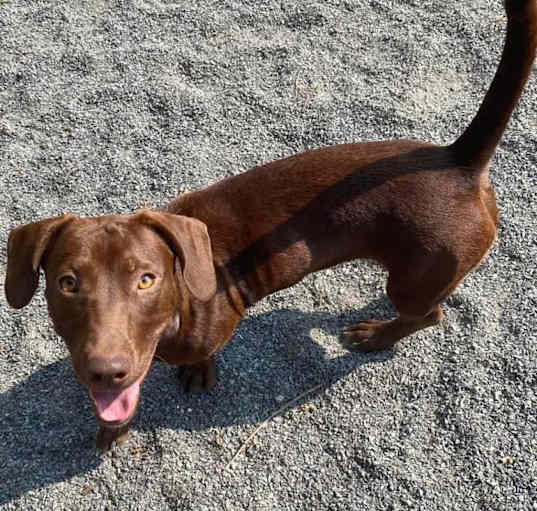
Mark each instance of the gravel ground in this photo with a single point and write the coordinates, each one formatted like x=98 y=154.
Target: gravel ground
x=109 y=106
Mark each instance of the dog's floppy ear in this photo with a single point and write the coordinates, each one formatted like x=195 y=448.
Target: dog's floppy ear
x=25 y=248
x=189 y=240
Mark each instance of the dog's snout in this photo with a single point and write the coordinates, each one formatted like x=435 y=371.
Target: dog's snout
x=108 y=371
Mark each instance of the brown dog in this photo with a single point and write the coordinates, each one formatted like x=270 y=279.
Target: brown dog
x=173 y=284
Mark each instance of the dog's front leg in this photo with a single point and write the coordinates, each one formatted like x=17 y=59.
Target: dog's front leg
x=108 y=437
x=197 y=377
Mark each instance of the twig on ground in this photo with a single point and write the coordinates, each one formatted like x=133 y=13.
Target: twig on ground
x=267 y=420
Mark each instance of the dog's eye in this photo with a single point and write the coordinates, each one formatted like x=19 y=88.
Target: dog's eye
x=68 y=284
x=146 y=281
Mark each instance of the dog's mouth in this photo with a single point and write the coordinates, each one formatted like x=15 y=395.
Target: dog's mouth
x=117 y=408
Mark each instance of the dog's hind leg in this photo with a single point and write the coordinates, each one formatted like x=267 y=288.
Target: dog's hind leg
x=416 y=296
x=420 y=278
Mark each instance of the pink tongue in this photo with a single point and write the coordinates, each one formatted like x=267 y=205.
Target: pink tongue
x=116 y=406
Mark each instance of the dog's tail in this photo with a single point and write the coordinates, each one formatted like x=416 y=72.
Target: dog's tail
x=476 y=146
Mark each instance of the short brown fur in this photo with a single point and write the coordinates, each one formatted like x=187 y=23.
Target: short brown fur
x=426 y=213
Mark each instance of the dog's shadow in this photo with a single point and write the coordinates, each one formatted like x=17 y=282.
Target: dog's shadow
x=48 y=427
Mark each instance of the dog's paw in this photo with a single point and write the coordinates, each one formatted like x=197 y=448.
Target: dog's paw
x=372 y=335
x=375 y=335
x=108 y=437
x=196 y=378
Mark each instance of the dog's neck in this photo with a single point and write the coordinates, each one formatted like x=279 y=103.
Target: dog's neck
x=248 y=264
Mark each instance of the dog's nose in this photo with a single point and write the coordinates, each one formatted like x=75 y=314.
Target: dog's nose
x=108 y=371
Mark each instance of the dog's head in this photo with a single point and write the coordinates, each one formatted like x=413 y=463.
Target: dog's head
x=114 y=287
